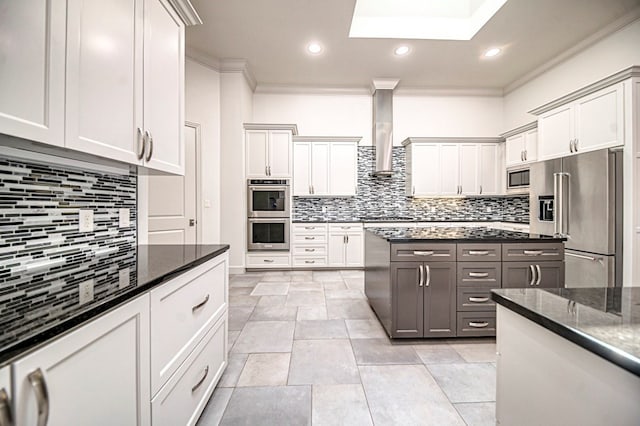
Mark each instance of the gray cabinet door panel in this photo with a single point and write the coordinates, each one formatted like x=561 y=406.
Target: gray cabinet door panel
x=532 y=274
x=532 y=252
x=550 y=274
x=423 y=252
x=486 y=274
x=407 y=299
x=440 y=299
x=479 y=252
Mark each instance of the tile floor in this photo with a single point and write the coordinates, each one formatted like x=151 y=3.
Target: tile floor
x=306 y=348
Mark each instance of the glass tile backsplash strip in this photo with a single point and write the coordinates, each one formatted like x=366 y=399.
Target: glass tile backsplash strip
x=43 y=256
x=385 y=197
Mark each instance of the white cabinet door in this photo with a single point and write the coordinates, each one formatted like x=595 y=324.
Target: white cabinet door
x=425 y=169
x=257 y=152
x=515 y=146
x=599 y=119
x=6 y=409
x=354 y=249
x=279 y=153
x=336 y=249
x=531 y=145
x=450 y=171
x=32 y=51
x=489 y=169
x=96 y=375
x=343 y=168
x=163 y=87
x=320 y=174
x=104 y=79
x=301 y=168
x=469 y=168
x=556 y=132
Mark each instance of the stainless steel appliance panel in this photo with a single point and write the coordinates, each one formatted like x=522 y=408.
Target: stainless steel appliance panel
x=588 y=270
x=268 y=234
x=268 y=198
x=541 y=185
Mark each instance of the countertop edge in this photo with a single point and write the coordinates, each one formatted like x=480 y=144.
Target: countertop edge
x=41 y=339
x=594 y=346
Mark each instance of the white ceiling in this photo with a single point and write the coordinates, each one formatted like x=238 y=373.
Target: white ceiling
x=272 y=35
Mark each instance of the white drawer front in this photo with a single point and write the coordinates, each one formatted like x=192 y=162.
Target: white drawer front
x=345 y=227
x=310 y=238
x=182 y=310
x=310 y=250
x=306 y=228
x=182 y=399
x=310 y=262
x=268 y=261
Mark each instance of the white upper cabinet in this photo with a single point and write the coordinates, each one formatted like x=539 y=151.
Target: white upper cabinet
x=521 y=145
x=32 y=64
x=469 y=164
x=301 y=168
x=269 y=150
x=592 y=122
x=320 y=164
x=489 y=170
x=449 y=169
x=423 y=169
x=343 y=168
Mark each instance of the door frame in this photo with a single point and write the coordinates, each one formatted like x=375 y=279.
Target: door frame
x=198 y=148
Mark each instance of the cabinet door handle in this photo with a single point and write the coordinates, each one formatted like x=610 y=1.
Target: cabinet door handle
x=39 y=386
x=201 y=381
x=345 y=227
x=521 y=155
x=478 y=299
x=575 y=145
x=6 y=419
x=310 y=190
x=267 y=260
x=422 y=253
x=426 y=284
x=420 y=275
x=347 y=239
x=141 y=141
x=539 y=273
x=309 y=249
x=478 y=274
x=266 y=171
x=478 y=324
x=525 y=155
x=571 y=145
x=309 y=238
x=533 y=274
x=413 y=191
x=480 y=189
x=533 y=252
x=150 y=139
x=309 y=261
x=478 y=253
x=270 y=173
x=200 y=305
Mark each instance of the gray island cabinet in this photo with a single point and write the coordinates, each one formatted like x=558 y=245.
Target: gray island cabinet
x=436 y=282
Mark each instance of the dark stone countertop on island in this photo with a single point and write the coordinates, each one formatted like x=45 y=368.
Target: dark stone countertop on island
x=147 y=267
x=458 y=234
x=604 y=321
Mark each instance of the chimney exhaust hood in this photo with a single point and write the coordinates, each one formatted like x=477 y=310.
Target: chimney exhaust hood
x=383 y=125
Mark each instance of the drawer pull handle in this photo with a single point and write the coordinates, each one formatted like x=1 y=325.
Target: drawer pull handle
x=309 y=227
x=533 y=252
x=309 y=249
x=478 y=253
x=197 y=385
x=309 y=261
x=422 y=253
x=5 y=409
x=475 y=324
x=309 y=238
x=39 y=386
x=478 y=274
x=345 y=227
x=478 y=299
x=200 y=305
x=267 y=260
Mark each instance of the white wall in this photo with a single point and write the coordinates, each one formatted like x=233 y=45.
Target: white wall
x=611 y=54
x=202 y=106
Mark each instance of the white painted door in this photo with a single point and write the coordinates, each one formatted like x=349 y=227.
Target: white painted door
x=469 y=169
x=96 y=375
x=515 y=146
x=173 y=199
x=489 y=169
x=354 y=249
x=320 y=168
x=449 y=169
x=104 y=79
x=301 y=168
x=32 y=50
x=279 y=153
x=343 y=168
x=600 y=119
x=336 y=249
x=163 y=86
x=556 y=131
x=257 y=143
x=531 y=145
x=425 y=169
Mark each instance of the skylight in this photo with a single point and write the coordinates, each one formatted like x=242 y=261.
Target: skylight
x=422 y=19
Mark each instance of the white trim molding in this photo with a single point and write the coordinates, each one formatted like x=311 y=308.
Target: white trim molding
x=310 y=90
x=356 y=139
x=411 y=140
x=186 y=11
x=449 y=91
x=517 y=130
x=265 y=126
x=202 y=58
x=384 y=84
x=241 y=66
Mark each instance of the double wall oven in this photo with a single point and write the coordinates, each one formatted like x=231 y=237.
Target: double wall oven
x=269 y=213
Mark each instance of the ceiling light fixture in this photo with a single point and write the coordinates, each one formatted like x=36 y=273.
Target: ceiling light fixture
x=314 y=48
x=401 y=50
x=494 y=51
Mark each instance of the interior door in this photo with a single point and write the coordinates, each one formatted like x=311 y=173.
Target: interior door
x=173 y=199
x=407 y=299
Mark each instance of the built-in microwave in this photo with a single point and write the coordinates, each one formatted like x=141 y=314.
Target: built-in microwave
x=268 y=198
x=518 y=181
x=268 y=234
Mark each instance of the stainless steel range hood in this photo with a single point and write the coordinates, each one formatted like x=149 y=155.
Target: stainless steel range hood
x=383 y=125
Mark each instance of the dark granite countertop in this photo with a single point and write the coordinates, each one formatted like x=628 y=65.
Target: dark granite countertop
x=115 y=284
x=401 y=220
x=454 y=234
x=604 y=321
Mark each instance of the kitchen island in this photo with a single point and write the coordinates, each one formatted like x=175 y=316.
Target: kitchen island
x=436 y=281
x=568 y=356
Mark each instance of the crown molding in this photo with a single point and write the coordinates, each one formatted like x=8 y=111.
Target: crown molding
x=264 y=126
x=449 y=91
x=383 y=84
x=230 y=65
x=202 y=58
x=613 y=27
x=517 y=130
x=355 y=139
x=186 y=11
x=310 y=90
x=411 y=140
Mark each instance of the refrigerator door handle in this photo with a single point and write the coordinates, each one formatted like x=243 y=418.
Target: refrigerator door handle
x=582 y=256
x=560 y=225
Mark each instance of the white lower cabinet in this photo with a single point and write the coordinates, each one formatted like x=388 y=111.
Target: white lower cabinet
x=260 y=260
x=6 y=410
x=309 y=245
x=95 y=375
x=346 y=245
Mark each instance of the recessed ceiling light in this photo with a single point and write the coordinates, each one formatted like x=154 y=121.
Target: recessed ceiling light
x=401 y=50
x=494 y=51
x=314 y=48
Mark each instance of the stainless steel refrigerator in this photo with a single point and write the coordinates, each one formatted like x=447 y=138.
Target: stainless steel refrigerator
x=580 y=197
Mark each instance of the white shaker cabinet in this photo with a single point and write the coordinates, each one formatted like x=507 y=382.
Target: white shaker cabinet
x=521 y=145
x=86 y=377
x=346 y=245
x=343 y=168
x=321 y=169
x=6 y=409
x=489 y=171
x=423 y=169
x=32 y=70
x=449 y=169
x=268 y=150
x=469 y=163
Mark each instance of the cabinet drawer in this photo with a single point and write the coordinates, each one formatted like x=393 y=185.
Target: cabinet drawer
x=345 y=227
x=485 y=274
x=311 y=238
x=309 y=261
x=310 y=250
x=306 y=228
x=423 y=252
x=533 y=252
x=475 y=299
x=182 y=310
x=182 y=399
x=476 y=324
x=268 y=260
x=479 y=252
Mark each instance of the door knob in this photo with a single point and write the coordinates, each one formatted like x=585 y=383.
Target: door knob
x=192 y=222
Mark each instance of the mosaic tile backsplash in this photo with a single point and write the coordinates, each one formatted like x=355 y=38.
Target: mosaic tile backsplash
x=385 y=197
x=43 y=256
